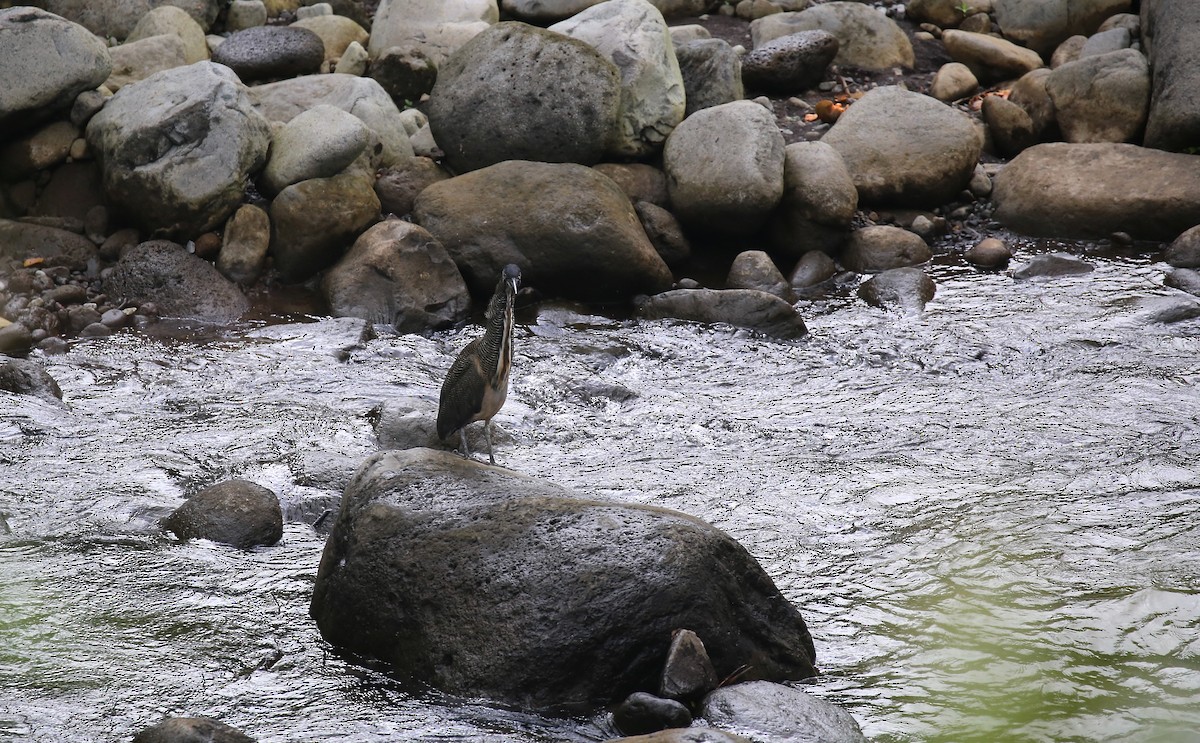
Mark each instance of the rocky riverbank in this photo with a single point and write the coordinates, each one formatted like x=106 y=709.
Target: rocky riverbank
x=389 y=160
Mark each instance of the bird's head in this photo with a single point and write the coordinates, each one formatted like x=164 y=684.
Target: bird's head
x=511 y=277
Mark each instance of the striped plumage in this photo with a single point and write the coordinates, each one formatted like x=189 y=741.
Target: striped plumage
x=477 y=383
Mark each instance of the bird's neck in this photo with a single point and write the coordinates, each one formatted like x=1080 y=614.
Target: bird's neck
x=497 y=339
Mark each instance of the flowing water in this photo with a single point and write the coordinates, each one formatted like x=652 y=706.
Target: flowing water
x=989 y=514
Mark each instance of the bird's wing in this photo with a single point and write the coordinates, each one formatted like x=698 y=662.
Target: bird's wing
x=462 y=392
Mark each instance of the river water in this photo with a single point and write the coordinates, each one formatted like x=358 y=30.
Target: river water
x=988 y=513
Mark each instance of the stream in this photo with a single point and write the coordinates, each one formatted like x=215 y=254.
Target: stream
x=988 y=513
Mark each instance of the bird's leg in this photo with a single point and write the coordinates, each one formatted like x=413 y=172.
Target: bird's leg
x=466 y=453
x=487 y=433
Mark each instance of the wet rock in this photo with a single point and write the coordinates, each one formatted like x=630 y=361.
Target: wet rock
x=1168 y=310
x=360 y=96
x=118 y=18
x=396 y=272
x=572 y=231
x=314 y=221
x=688 y=673
x=410 y=423
x=724 y=168
x=711 y=72
x=47 y=62
x=819 y=200
x=880 y=247
x=179 y=283
x=905 y=148
x=814 y=267
x=23 y=377
x=436 y=27
x=952 y=81
x=685 y=735
x=271 y=52
x=244 y=245
x=866 y=38
x=989 y=58
x=1171 y=34
x=639 y=181
x=191 y=182
x=1041 y=26
x=665 y=233
x=634 y=37
x=336 y=33
x=906 y=289
x=235 y=512
x=1184 y=279
x=1011 y=127
x=507 y=585
x=138 y=60
x=743 y=308
x=770 y=711
x=1184 y=251
x=405 y=72
x=169 y=19
x=1083 y=190
x=398 y=186
x=646 y=713
x=1101 y=98
x=542 y=12
x=23 y=240
x=1029 y=92
x=790 y=64
x=553 y=98
x=754 y=269
x=990 y=253
x=318 y=143
x=15 y=338
x=1051 y=266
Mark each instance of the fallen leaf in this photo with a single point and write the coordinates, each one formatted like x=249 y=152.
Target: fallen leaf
x=33 y=262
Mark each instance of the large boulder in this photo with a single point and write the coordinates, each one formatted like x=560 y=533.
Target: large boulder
x=485 y=582
x=1083 y=191
x=905 y=148
x=360 y=96
x=177 y=147
x=191 y=730
x=396 y=272
x=819 y=200
x=1101 y=98
x=866 y=38
x=118 y=18
x=181 y=284
x=633 y=36
x=712 y=73
x=1042 y=25
x=516 y=92
x=743 y=308
x=313 y=222
x=45 y=62
x=1171 y=32
x=436 y=27
x=572 y=231
x=724 y=168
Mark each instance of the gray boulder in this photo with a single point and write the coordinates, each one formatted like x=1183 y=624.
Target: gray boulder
x=181 y=284
x=880 y=247
x=724 y=168
x=1103 y=42
x=639 y=181
x=1102 y=98
x=405 y=72
x=1011 y=127
x=191 y=730
x=866 y=38
x=1184 y=251
x=515 y=92
x=633 y=36
x=318 y=143
x=743 y=308
x=1029 y=92
x=57 y=247
x=1051 y=266
x=572 y=231
x=790 y=64
x=905 y=289
x=712 y=74
x=483 y=582
x=396 y=272
x=769 y=711
x=642 y=712
x=313 y=222
x=1171 y=34
x=360 y=96
x=543 y=12
x=46 y=62
x=754 y=269
x=235 y=512
x=177 y=147
x=990 y=59
x=1184 y=279
x=1083 y=191
x=23 y=377
x=118 y=18
x=819 y=200
x=905 y=148
x=1041 y=25
x=271 y=52
x=437 y=27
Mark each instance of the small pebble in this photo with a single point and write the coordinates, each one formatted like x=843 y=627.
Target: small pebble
x=990 y=252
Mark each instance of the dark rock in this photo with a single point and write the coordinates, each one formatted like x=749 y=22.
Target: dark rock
x=819 y=201
x=179 y=283
x=271 y=52
x=646 y=713
x=813 y=268
x=95 y=330
x=234 y=512
x=28 y=378
x=768 y=711
x=880 y=247
x=743 y=308
x=1184 y=251
x=191 y=730
x=990 y=252
x=397 y=187
x=754 y=269
x=1171 y=34
x=1185 y=280
x=484 y=582
x=406 y=73
x=20 y=241
x=685 y=735
x=1011 y=126
x=906 y=289
x=1051 y=266
x=688 y=673
x=314 y=221
x=790 y=64
x=665 y=233
x=15 y=338
x=712 y=74
x=639 y=181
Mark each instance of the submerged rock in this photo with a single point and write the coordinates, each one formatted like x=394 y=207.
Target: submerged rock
x=1052 y=266
x=646 y=713
x=906 y=289
x=770 y=711
x=28 y=378
x=743 y=308
x=235 y=512
x=191 y=730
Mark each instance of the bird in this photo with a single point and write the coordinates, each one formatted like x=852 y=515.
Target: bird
x=477 y=383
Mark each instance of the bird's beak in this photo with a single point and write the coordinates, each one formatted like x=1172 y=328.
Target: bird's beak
x=515 y=283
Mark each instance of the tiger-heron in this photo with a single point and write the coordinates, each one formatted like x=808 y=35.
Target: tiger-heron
x=477 y=382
